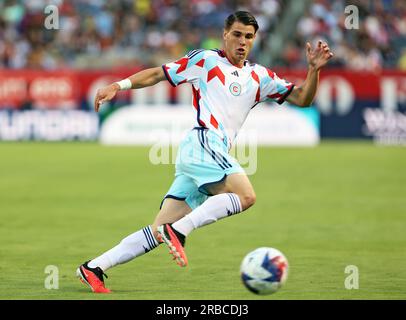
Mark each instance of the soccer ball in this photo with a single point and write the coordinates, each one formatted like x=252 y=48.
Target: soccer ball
x=264 y=270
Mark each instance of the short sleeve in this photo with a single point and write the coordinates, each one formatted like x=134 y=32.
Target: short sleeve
x=275 y=88
x=186 y=69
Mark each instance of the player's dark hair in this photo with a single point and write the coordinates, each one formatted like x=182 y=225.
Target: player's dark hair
x=241 y=16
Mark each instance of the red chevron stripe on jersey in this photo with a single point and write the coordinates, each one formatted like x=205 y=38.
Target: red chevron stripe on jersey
x=254 y=76
x=196 y=97
x=213 y=121
x=258 y=95
x=183 y=64
x=216 y=72
x=200 y=63
x=271 y=73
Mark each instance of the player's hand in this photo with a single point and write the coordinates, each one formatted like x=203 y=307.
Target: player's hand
x=318 y=57
x=105 y=94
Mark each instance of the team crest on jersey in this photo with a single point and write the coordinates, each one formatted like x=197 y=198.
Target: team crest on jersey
x=235 y=89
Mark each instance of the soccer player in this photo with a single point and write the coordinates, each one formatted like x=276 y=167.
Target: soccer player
x=209 y=184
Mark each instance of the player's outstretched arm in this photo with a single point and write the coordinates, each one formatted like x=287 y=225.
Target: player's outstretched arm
x=142 y=79
x=303 y=96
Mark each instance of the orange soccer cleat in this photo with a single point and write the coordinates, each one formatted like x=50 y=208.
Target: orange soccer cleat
x=175 y=242
x=92 y=277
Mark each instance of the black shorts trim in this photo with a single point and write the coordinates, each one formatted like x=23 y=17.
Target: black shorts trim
x=203 y=190
x=171 y=197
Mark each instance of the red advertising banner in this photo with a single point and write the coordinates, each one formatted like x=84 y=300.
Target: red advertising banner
x=62 y=89
x=345 y=87
x=69 y=89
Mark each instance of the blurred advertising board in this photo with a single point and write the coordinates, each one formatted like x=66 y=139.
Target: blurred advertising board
x=48 y=125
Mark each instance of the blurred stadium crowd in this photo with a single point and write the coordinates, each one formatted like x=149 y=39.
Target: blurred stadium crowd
x=113 y=34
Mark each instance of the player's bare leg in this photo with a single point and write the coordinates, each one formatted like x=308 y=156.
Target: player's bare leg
x=239 y=184
x=172 y=210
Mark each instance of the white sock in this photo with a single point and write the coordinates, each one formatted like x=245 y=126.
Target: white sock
x=134 y=245
x=214 y=208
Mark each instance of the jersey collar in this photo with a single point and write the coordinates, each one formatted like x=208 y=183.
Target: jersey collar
x=222 y=53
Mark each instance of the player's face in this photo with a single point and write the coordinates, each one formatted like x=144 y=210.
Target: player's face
x=238 y=42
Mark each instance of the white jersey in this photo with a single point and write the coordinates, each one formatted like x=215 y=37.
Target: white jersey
x=224 y=94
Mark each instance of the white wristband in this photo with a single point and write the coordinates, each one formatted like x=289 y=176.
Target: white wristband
x=125 y=84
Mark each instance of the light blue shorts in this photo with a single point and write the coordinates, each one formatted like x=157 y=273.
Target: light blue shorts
x=202 y=160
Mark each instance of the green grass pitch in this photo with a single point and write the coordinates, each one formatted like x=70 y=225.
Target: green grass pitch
x=339 y=204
